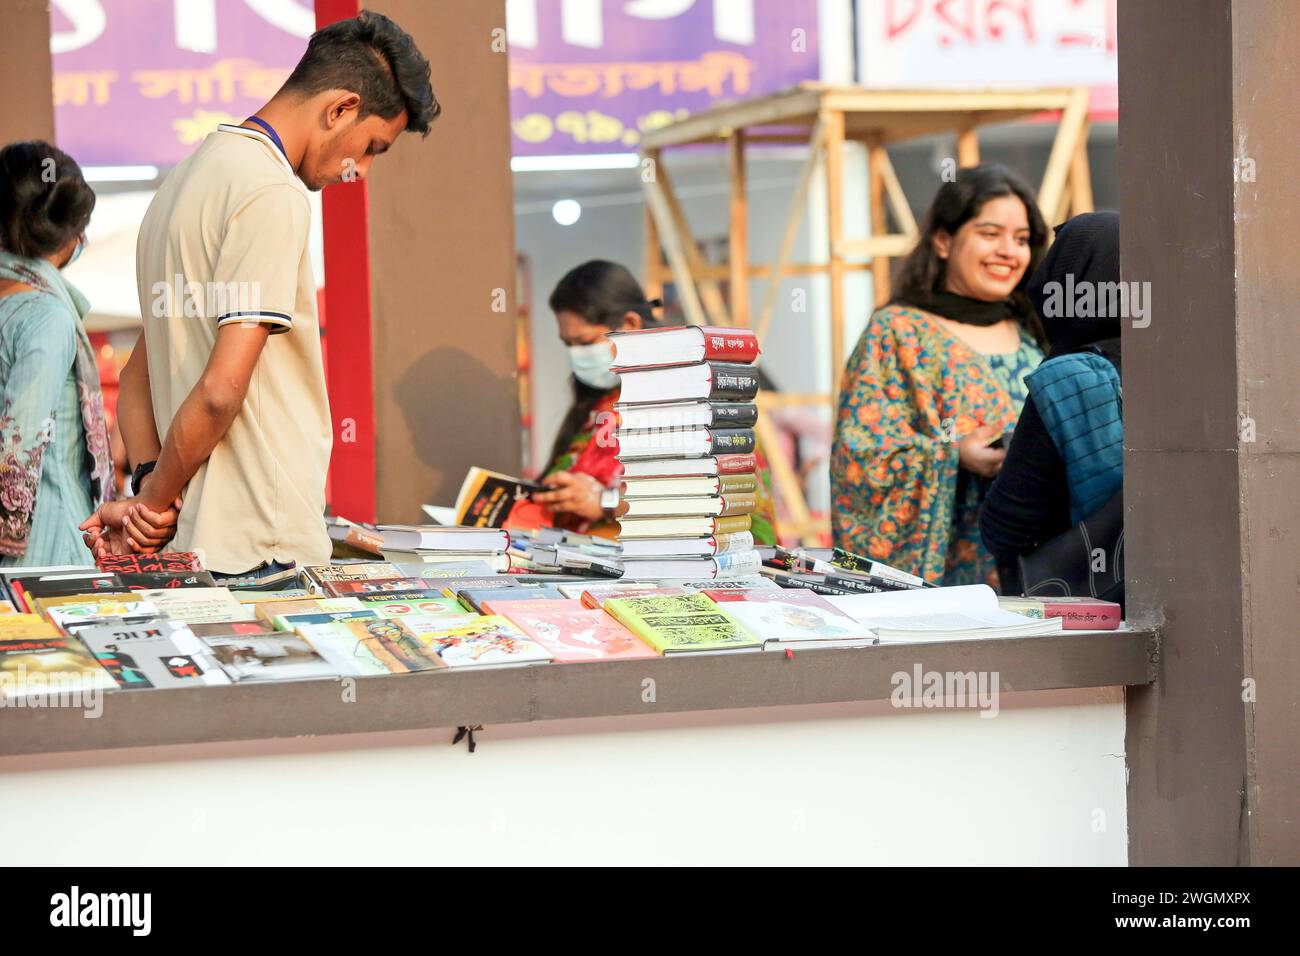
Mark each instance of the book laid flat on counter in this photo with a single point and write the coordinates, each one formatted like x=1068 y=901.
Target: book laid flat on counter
x=267 y=657
x=684 y=624
x=349 y=536
x=199 y=605
x=270 y=610
x=750 y=582
x=26 y=625
x=474 y=598
x=159 y=653
x=486 y=641
x=43 y=664
x=969 y=612
x=545 y=604
x=315 y=577
x=595 y=600
x=793 y=619
x=383 y=586
x=712 y=381
x=579 y=635
x=161 y=561
x=293 y=620
x=1076 y=613
x=682 y=526
x=686 y=415
x=400 y=605
x=686 y=467
x=724 y=565
x=72 y=617
x=340 y=640
x=486 y=499
x=706 y=547
x=690 y=486
x=449 y=562
x=837 y=561
x=742 y=503
x=685 y=442
x=151 y=580
x=677 y=345
x=578 y=589
x=7 y=576
x=395 y=645
x=26 y=589
x=413 y=537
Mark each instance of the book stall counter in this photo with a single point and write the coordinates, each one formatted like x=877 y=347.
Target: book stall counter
x=1070 y=659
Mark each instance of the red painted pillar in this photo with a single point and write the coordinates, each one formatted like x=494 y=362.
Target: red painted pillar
x=346 y=325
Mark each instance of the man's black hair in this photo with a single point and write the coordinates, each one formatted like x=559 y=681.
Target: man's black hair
x=371 y=56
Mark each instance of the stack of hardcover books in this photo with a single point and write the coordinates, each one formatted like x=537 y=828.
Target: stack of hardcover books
x=686 y=418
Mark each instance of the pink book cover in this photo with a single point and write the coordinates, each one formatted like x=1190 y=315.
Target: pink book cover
x=579 y=635
x=542 y=604
x=795 y=596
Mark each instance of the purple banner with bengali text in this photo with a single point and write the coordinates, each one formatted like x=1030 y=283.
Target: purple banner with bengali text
x=141 y=82
x=588 y=76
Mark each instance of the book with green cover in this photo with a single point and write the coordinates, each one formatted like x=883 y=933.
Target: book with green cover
x=678 y=624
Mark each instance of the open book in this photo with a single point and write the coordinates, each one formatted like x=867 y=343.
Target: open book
x=939 y=614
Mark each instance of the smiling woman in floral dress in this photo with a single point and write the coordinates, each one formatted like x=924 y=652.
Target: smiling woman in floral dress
x=936 y=380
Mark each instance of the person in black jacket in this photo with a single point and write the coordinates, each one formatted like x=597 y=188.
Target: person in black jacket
x=1077 y=404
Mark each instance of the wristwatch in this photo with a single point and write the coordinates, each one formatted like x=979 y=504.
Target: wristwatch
x=609 y=501
x=142 y=471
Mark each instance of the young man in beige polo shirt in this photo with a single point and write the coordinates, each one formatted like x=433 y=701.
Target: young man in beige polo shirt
x=228 y=369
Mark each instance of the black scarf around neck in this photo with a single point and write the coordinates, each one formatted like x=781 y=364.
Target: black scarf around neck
x=961 y=308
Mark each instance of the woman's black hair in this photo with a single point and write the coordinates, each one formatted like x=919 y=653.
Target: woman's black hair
x=44 y=200
x=956 y=203
x=603 y=293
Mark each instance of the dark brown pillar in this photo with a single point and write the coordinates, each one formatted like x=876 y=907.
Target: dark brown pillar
x=1208 y=196
x=441 y=222
x=26 y=73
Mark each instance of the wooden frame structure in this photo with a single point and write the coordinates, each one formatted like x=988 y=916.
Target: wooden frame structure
x=825 y=117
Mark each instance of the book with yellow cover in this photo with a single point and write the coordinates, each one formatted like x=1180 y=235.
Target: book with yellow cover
x=681 y=624
x=25 y=625
x=43 y=662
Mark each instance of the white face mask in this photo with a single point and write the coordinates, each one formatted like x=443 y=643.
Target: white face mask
x=590 y=364
x=76 y=252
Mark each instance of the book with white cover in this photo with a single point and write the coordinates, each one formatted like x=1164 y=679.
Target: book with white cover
x=969 y=612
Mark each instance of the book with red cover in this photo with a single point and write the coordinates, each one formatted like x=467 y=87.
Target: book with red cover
x=162 y=561
x=686 y=467
x=679 y=345
x=1076 y=613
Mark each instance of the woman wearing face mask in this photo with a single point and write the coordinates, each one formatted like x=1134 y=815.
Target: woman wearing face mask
x=55 y=465
x=936 y=381
x=591 y=301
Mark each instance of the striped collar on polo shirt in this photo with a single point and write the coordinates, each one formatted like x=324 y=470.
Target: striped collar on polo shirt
x=257 y=134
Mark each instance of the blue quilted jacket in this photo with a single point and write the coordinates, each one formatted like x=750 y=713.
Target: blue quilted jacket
x=1078 y=397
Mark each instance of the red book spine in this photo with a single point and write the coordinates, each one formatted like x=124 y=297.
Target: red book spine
x=735 y=464
x=1080 y=616
x=730 y=345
